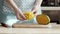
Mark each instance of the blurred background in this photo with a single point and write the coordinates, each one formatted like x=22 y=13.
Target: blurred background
x=52 y=9
x=55 y=3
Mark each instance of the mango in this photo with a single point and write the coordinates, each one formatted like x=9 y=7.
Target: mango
x=29 y=15
x=43 y=19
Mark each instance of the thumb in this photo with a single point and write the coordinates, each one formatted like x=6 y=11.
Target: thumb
x=23 y=17
x=34 y=11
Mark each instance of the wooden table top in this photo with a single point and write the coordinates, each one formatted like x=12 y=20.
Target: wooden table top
x=54 y=29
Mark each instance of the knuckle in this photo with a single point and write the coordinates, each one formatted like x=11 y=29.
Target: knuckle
x=17 y=18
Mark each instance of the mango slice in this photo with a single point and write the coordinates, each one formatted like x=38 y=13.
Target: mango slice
x=29 y=15
x=43 y=19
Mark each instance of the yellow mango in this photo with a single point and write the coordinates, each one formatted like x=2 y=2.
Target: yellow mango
x=29 y=15
x=43 y=19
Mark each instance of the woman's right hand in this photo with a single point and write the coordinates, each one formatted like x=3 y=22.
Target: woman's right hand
x=19 y=15
x=17 y=11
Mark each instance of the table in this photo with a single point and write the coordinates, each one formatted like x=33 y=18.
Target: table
x=55 y=29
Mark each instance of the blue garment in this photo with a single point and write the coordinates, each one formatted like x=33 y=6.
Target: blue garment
x=7 y=15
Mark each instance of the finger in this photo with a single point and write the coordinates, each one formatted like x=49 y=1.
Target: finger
x=18 y=17
x=23 y=17
x=35 y=12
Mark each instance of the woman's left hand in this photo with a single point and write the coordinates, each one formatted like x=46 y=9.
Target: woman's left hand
x=34 y=10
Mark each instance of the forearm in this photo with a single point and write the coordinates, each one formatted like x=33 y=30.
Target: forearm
x=37 y=3
x=36 y=6
x=12 y=4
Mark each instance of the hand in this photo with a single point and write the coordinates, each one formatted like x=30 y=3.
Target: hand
x=17 y=10
x=34 y=10
x=20 y=15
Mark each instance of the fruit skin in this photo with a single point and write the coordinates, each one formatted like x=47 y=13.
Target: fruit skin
x=43 y=19
x=29 y=15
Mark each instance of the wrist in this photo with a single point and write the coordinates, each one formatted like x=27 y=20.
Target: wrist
x=17 y=10
x=34 y=8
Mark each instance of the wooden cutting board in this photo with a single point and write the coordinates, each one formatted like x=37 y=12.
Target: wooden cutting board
x=30 y=26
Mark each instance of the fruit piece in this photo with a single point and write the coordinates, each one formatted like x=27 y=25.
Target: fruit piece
x=42 y=19
x=29 y=15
